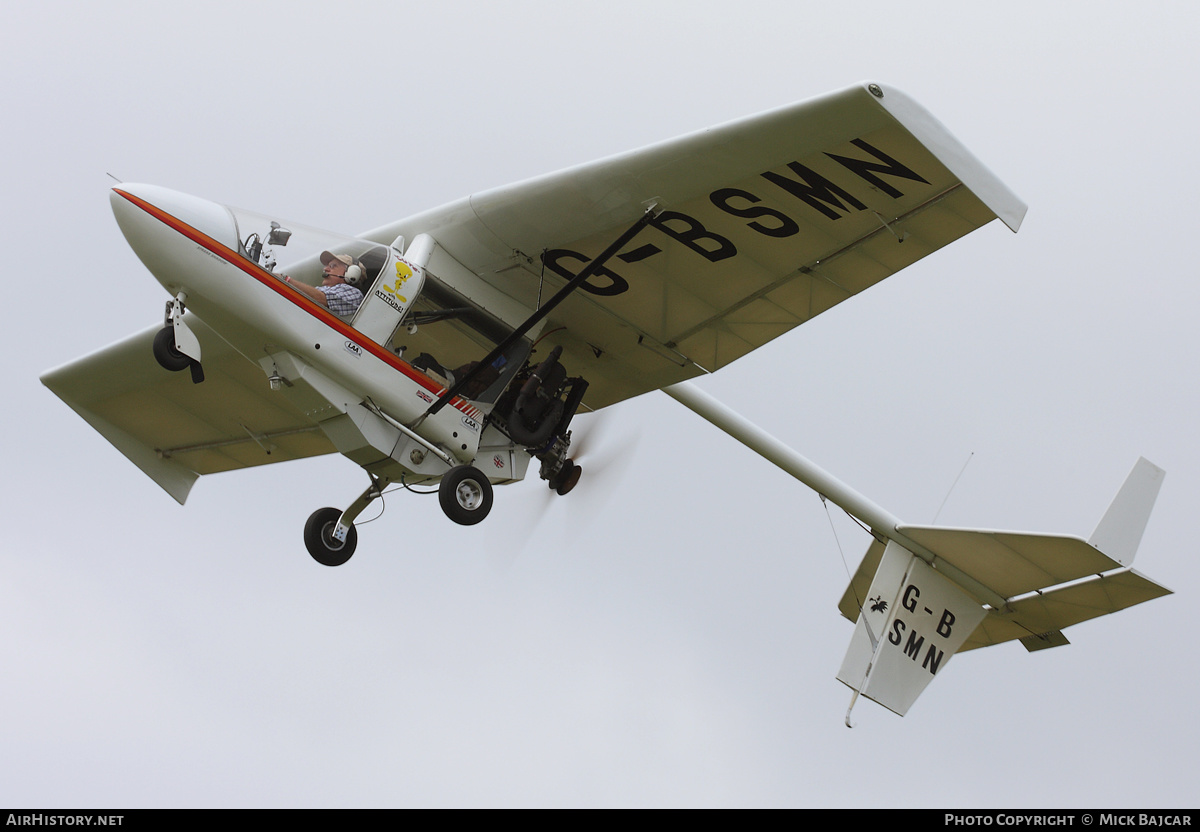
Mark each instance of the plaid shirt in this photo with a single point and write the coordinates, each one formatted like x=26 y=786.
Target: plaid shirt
x=342 y=299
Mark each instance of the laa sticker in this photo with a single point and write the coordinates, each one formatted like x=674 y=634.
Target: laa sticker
x=471 y=423
x=353 y=348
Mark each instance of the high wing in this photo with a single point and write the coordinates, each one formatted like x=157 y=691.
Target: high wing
x=177 y=431
x=765 y=222
x=758 y=225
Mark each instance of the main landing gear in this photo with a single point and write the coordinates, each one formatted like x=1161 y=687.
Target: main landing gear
x=465 y=495
x=329 y=534
x=326 y=549
x=330 y=537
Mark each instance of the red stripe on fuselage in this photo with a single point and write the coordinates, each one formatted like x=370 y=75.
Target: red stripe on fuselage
x=311 y=307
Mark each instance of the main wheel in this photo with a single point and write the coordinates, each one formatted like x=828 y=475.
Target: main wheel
x=319 y=540
x=165 y=352
x=465 y=495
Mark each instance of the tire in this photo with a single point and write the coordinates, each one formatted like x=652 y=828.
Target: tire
x=318 y=538
x=465 y=495
x=165 y=353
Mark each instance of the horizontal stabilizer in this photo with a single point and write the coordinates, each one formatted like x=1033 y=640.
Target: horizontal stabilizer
x=1012 y=563
x=1043 y=612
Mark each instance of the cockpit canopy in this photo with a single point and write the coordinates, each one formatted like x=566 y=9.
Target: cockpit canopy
x=293 y=249
x=426 y=322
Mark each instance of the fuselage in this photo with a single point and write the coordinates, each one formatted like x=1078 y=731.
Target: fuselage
x=194 y=248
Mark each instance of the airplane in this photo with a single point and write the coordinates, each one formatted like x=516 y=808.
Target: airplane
x=455 y=347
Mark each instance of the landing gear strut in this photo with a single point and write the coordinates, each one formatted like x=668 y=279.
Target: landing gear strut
x=175 y=345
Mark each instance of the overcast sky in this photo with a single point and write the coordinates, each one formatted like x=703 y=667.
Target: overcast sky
x=668 y=634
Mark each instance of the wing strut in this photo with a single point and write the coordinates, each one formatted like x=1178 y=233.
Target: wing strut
x=882 y=522
x=519 y=333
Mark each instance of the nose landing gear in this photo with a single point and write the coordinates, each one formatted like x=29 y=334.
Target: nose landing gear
x=176 y=346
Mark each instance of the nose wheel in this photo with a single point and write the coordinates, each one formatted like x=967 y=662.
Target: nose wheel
x=176 y=346
x=165 y=353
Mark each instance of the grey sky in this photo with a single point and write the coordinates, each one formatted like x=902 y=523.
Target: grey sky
x=668 y=635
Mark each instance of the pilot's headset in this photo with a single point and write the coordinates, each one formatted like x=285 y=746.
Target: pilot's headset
x=355 y=274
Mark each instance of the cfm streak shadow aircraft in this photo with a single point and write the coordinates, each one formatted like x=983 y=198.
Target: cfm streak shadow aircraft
x=486 y=324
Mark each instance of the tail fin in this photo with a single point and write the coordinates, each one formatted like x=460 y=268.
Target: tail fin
x=1120 y=529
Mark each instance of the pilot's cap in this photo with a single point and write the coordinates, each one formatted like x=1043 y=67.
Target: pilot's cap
x=328 y=257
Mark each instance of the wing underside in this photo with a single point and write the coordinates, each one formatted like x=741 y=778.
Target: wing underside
x=175 y=430
x=764 y=224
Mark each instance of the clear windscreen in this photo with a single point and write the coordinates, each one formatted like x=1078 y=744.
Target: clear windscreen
x=283 y=247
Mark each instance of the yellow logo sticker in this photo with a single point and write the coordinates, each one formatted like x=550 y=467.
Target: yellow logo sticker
x=403 y=273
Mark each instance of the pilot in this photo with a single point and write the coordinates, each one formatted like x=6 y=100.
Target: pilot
x=334 y=293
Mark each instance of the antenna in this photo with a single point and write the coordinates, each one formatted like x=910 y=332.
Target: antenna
x=948 y=493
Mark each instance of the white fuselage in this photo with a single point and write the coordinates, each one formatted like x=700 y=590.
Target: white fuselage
x=191 y=246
